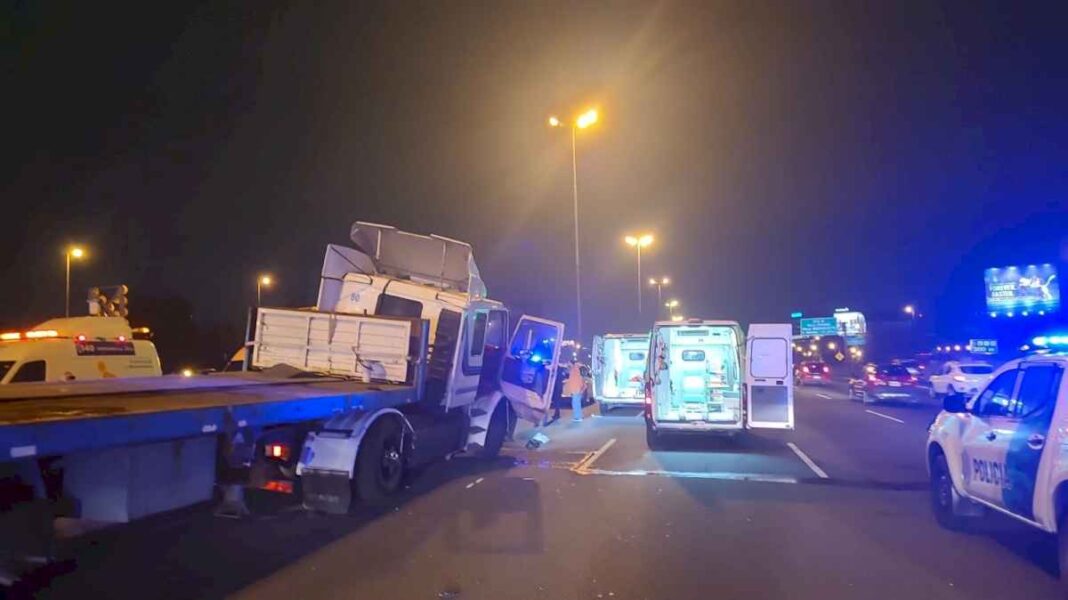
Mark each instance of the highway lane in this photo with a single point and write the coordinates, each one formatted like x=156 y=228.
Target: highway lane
x=594 y=514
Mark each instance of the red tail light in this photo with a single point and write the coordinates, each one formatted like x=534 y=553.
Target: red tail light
x=913 y=379
x=804 y=369
x=826 y=369
x=284 y=487
x=277 y=451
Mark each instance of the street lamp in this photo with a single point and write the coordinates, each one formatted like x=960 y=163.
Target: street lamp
x=677 y=318
x=639 y=242
x=659 y=283
x=581 y=122
x=76 y=252
x=263 y=281
x=910 y=310
x=671 y=306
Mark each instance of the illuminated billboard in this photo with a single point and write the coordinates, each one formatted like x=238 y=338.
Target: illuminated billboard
x=1023 y=291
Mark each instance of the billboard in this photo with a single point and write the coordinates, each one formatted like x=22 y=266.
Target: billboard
x=1033 y=289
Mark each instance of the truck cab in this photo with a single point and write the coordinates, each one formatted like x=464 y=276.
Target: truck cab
x=76 y=349
x=406 y=310
x=708 y=377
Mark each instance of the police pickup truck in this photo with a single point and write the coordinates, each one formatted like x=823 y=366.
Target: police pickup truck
x=1006 y=450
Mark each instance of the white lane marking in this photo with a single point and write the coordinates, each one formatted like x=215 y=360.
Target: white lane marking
x=474 y=483
x=723 y=476
x=808 y=461
x=824 y=396
x=879 y=414
x=586 y=462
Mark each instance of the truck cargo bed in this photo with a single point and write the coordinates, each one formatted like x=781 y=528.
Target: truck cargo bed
x=58 y=418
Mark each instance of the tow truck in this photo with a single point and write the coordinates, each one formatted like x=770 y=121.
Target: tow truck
x=402 y=361
x=1002 y=451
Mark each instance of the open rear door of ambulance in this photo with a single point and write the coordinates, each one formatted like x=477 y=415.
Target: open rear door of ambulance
x=528 y=372
x=769 y=398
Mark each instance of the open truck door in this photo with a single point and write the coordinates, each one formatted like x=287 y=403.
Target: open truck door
x=597 y=367
x=528 y=372
x=769 y=383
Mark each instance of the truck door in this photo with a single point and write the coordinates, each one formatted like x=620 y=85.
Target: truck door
x=769 y=387
x=528 y=375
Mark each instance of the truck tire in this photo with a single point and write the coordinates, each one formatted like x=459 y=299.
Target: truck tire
x=496 y=431
x=653 y=439
x=944 y=497
x=380 y=463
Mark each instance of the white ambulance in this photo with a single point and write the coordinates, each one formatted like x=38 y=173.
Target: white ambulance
x=75 y=349
x=1003 y=450
x=619 y=369
x=708 y=377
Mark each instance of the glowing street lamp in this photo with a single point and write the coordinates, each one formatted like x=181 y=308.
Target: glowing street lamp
x=638 y=242
x=78 y=253
x=677 y=318
x=671 y=306
x=263 y=281
x=909 y=310
x=659 y=284
x=581 y=122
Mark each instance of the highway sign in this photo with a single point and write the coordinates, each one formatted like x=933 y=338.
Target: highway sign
x=980 y=346
x=819 y=326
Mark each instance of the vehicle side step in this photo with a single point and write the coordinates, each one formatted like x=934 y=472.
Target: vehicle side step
x=477 y=412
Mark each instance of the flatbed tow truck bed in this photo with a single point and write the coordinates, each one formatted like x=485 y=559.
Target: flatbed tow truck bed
x=52 y=419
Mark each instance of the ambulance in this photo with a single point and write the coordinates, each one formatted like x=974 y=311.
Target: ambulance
x=619 y=369
x=1003 y=450
x=76 y=349
x=709 y=377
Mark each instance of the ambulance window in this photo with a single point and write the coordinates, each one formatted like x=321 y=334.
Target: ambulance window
x=994 y=401
x=478 y=336
x=5 y=366
x=1038 y=390
x=31 y=371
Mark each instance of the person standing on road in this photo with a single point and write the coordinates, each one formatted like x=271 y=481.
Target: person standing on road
x=575 y=386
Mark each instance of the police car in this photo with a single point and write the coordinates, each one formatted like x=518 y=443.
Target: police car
x=1006 y=450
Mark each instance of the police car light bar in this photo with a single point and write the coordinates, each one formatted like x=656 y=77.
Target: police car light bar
x=1049 y=341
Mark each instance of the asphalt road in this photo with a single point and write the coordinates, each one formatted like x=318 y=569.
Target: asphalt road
x=594 y=514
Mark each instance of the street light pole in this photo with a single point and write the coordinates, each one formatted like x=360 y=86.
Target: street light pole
x=262 y=281
x=578 y=270
x=72 y=252
x=639 y=242
x=639 y=279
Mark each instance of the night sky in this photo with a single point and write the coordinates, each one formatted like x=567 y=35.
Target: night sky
x=792 y=155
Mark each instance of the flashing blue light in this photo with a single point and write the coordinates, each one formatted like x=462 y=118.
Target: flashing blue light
x=535 y=357
x=993 y=315
x=1048 y=341
x=1025 y=313
x=1009 y=314
x=1042 y=313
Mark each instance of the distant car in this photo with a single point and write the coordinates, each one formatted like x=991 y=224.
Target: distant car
x=915 y=368
x=885 y=383
x=812 y=373
x=957 y=377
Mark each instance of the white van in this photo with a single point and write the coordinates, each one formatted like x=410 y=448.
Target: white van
x=74 y=349
x=707 y=377
x=619 y=369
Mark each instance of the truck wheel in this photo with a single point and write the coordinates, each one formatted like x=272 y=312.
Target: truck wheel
x=652 y=438
x=380 y=463
x=496 y=431
x=944 y=498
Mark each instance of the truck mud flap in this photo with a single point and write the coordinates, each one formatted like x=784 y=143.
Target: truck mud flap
x=327 y=491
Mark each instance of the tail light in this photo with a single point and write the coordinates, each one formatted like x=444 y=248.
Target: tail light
x=826 y=369
x=804 y=369
x=282 y=486
x=277 y=451
x=876 y=380
x=913 y=379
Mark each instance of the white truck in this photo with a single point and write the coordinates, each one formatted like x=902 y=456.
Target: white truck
x=403 y=361
x=1003 y=450
x=619 y=369
x=707 y=377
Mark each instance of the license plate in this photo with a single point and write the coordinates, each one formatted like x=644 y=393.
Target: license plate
x=895 y=384
x=816 y=376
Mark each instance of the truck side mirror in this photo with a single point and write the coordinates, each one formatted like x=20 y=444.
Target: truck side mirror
x=955 y=403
